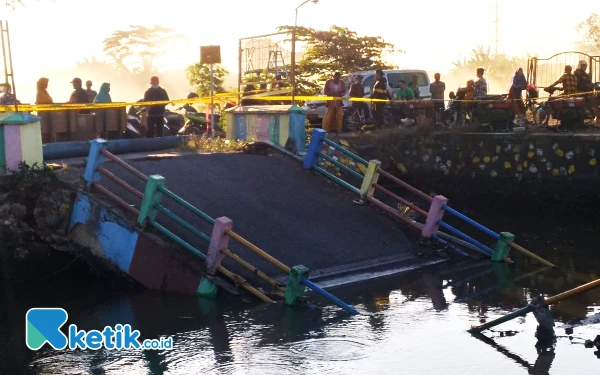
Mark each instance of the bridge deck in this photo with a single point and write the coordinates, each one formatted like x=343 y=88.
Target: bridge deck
x=294 y=215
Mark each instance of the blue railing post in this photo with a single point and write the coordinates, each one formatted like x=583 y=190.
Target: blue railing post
x=316 y=144
x=95 y=157
x=152 y=198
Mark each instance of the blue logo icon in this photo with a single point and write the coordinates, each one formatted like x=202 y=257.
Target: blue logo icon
x=42 y=325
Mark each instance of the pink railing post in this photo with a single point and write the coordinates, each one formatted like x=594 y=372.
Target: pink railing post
x=218 y=240
x=435 y=214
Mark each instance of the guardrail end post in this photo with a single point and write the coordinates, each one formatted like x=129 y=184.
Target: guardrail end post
x=371 y=178
x=294 y=289
x=95 y=157
x=152 y=197
x=435 y=214
x=312 y=154
x=503 y=247
x=218 y=240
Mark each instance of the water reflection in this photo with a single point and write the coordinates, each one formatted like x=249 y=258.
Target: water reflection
x=410 y=324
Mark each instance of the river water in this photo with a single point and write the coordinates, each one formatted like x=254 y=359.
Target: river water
x=411 y=324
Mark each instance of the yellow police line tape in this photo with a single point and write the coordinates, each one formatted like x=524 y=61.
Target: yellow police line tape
x=227 y=97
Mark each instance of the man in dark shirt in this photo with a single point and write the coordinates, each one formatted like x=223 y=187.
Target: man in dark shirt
x=156 y=113
x=79 y=95
x=357 y=91
x=584 y=85
x=379 y=92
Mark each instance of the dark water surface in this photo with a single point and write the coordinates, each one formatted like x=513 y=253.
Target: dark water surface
x=410 y=324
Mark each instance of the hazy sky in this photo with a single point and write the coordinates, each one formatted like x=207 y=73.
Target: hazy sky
x=54 y=34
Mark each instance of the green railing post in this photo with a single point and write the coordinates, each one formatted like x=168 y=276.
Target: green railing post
x=152 y=197
x=294 y=289
x=371 y=177
x=503 y=247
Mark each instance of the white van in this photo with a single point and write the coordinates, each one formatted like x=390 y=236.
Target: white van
x=315 y=109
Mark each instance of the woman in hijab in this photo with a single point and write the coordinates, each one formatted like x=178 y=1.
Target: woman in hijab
x=516 y=93
x=42 y=96
x=103 y=95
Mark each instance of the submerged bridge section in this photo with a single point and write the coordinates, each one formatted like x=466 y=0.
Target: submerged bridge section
x=248 y=218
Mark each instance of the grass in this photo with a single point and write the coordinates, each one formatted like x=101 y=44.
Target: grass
x=213 y=145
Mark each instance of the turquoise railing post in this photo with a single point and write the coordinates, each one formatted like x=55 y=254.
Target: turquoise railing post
x=370 y=179
x=502 y=247
x=152 y=198
x=294 y=289
x=316 y=144
x=434 y=215
x=95 y=157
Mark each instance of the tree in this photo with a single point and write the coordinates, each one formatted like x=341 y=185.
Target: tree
x=136 y=50
x=337 y=49
x=498 y=68
x=590 y=28
x=199 y=77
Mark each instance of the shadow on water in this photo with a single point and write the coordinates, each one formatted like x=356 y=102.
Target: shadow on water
x=413 y=323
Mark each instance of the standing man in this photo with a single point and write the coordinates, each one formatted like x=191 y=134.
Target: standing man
x=156 y=113
x=90 y=93
x=357 y=91
x=335 y=114
x=584 y=85
x=437 y=89
x=379 y=92
x=480 y=85
x=79 y=95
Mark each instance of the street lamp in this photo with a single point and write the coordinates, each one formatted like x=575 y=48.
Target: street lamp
x=293 y=59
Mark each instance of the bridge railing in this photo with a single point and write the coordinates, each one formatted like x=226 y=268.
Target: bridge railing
x=151 y=204
x=433 y=217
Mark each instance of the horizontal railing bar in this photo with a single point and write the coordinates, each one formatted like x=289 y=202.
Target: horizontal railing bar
x=238 y=280
x=400 y=199
x=408 y=187
x=115 y=198
x=471 y=221
x=393 y=212
x=182 y=222
x=337 y=180
x=186 y=204
x=123 y=164
x=258 y=251
x=253 y=269
x=466 y=237
x=120 y=182
x=178 y=239
x=451 y=246
x=344 y=151
x=329 y=296
x=342 y=166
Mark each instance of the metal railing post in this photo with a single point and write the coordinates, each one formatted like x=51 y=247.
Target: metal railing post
x=152 y=198
x=503 y=247
x=294 y=289
x=95 y=157
x=218 y=240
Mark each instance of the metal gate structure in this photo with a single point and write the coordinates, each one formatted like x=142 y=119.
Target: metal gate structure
x=544 y=72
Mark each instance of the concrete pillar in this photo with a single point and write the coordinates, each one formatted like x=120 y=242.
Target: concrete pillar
x=152 y=197
x=20 y=141
x=218 y=240
x=371 y=177
x=294 y=289
x=435 y=214
x=502 y=246
x=95 y=157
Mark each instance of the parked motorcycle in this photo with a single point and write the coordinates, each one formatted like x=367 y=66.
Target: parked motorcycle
x=134 y=127
x=197 y=123
x=497 y=112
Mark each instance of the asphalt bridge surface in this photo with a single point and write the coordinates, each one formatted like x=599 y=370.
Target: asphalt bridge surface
x=293 y=214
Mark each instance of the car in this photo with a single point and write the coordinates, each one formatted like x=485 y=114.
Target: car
x=316 y=109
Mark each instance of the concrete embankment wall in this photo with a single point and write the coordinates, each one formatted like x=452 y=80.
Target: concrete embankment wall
x=148 y=259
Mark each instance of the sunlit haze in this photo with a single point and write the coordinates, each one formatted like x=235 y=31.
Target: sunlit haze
x=48 y=37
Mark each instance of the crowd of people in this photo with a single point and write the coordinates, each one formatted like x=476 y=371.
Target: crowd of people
x=155 y=113
x=578 y=82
